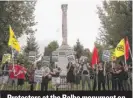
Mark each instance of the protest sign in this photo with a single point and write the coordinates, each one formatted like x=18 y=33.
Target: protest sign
x=71 y=58
x=38 y=76
x=32 y=56
x=106 y=55
x=6 y=58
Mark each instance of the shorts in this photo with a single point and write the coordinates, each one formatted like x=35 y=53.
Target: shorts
x=20 y=81
x=4 y=79
x=13 y=81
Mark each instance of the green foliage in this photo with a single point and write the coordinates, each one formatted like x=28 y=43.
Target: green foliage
x=32 y=46
x=87 y=53
x=116 y=21
x=23 y=59
x=52 y=46
x=79 y=49
x=17 y=14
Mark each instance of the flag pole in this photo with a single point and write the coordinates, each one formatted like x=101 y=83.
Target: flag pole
x=130 y=53
x=13 y=59
x=104 y=67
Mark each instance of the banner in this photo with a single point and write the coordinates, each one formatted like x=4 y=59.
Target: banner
x=6 y=58
x=71 y=58
x=13 y=41
x=106 y=55
x=32 y=56
x=38 y=76
x=120 y=49
x=112 y=55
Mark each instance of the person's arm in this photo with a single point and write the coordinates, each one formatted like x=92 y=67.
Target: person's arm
x=118 y=71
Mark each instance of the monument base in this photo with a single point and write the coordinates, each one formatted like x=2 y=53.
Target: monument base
x=62 y=54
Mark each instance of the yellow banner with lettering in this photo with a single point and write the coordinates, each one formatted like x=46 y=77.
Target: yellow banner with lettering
x=13 y=41
x=120 y=49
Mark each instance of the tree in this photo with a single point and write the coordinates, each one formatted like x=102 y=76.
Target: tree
x=17 y=14
x=116 y=21
x=87 y=53
x=52 y=46
x=32 y=46
x=79 y=49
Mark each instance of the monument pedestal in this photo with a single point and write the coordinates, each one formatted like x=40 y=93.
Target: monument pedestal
x=62 y=54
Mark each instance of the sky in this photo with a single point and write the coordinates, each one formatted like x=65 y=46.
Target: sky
x=82 y=22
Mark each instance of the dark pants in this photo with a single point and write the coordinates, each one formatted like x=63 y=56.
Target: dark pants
x=114 y=84
x=108 y=82
x=120 y=85
x=44 y=83
x=101 y=81
x=95 y=83
x=31 y=87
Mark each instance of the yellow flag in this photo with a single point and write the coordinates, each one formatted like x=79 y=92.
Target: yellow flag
x=120 y=49
x=112 y=57
x=13 y=41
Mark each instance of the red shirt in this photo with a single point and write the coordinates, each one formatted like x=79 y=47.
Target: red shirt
x=22 y=74
x=15 y=70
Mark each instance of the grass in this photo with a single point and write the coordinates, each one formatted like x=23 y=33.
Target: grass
x=26 y=87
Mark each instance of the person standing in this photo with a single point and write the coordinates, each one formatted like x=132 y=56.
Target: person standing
x=56 y=77
x=21 y=75
x=101 y=77
x=95 y=71
x=85 y=75
x=31 y=72
x=5 y=74
x=12 y=75
x=45 y=78
x=77 y=75
x=70 y=75
x=120 y=72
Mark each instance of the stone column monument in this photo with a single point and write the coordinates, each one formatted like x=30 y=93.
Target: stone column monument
x=64 y=23
x=64 y=51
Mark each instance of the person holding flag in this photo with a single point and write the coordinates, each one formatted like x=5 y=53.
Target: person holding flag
x=94 y=66
x=14 y=44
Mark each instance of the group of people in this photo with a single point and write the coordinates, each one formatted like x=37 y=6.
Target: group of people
x=13 y=75
x=115 y=76
x=118 y=76
x=16 y=75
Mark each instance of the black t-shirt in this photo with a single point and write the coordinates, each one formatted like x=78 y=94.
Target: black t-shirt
x=100 y=73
